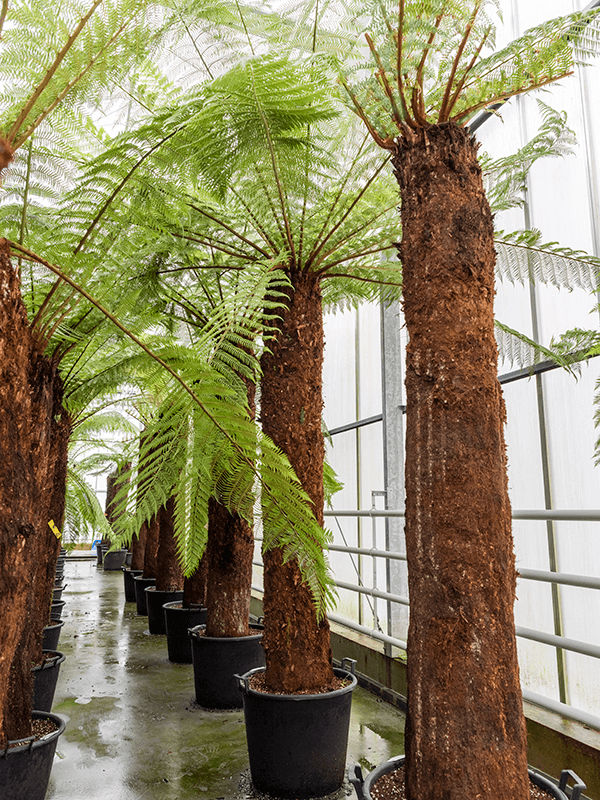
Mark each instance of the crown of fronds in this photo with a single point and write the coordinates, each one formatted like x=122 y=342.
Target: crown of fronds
x=430 y=62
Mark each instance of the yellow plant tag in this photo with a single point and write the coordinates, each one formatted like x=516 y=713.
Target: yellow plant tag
x=54 y=529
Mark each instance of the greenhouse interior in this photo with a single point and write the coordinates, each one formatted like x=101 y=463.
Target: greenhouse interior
x=300 y=399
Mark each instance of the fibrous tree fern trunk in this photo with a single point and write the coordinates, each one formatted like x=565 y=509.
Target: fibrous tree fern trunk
x=168 y=571
x=229 y=552
x=151 y=548
x=138 y=547
x=17 y=496
x=54 y=425
x=194 y=587
x=227 y=563
x=113 y=484
x=296 y=643
x=34 y=437
x=464 y=695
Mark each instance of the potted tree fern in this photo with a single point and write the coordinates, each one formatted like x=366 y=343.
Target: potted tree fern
x=431 y=75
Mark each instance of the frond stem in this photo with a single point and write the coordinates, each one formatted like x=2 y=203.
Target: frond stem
x=284 y=210
x=462 y=118
x=62 y=94
x=361 y=279
x=443 y=109
x=243 y=21
x=3 y=13
x=364 y=188
x=418 y=100
x=24 y=211
x=231 y=230
x=255 y=221
x=50 y=72
x=353 y=257
x=462 y=81
x=384 y=81
x=387 y=143
x=116 y=191
x=340 y=192
x=399 y=39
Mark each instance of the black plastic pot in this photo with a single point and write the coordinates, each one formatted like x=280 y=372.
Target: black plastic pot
x=128 y=559
x=155 y=601
x=57 y=593
x=128 y=576
x=218 y=661
x=56 y=609
x=297 y=743
x=140 y=584
x=363 y=786
x=177 y=622
x=100 y=550
x=113 y=560
x=25 y=770
x=51 y=634
x=45 y=677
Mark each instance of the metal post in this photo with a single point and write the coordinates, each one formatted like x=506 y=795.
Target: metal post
x=393 y=454
x=358 y=453
x=561 y=662
x=375 y=494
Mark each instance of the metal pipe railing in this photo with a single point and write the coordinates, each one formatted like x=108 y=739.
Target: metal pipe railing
x=368 y=551
x=566 y=579
x=564 y=643
x=352 y=587
x=542 y=515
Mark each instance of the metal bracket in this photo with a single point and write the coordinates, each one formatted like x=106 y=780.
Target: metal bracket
x=349 y=664
x=579 y=785
x=355 y=776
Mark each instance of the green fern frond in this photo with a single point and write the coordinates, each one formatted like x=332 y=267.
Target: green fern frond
x=522 y=258
x=505 y=179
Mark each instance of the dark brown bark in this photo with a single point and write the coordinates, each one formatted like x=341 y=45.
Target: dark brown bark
x=297 y=646
x=111 y=492
x=113 y=487
x=465 y=729
x=228 y=556
x=49 y=446
x=34 y=434
x=168 y=570
x=138 y=547
x=17 y=484
x=227 y=562
x=151 y=548
x=194 y=587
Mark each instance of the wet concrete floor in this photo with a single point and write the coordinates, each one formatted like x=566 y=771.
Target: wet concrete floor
x=133 y=730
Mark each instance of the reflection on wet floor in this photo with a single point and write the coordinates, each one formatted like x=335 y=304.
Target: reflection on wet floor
x=133 y=729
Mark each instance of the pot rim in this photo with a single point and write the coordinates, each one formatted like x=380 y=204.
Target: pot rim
x=55 y=623
x=244 y=686
x=162 y=591
x=193 y=607
x=539 y=780
x=50 y=662
x=141 y=578
x=193 y=634
x=33 y=744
